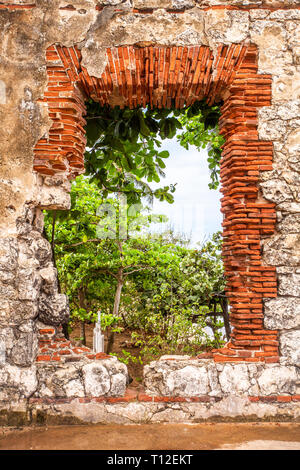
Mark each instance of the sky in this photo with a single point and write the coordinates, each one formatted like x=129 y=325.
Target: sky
x=196 y=208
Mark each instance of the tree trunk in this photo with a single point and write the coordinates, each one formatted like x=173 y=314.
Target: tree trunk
x=81 y=296
x=224 y=305
x=120 y=282
x=110 y=342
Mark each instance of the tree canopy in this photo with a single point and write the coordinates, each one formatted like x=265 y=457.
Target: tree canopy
x=124 y=146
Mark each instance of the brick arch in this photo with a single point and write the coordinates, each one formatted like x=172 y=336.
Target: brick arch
x=135 y=76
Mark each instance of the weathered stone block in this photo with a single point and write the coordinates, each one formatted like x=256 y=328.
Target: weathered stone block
x=178 y=377
x=289 y=285
x=96 y=380
x=18 y=311
x=49 y=279
x=53 y=309
x=152 y=4
x=277 y=380
x=25 y=346
x=28 y=285
x=217 y=26
x=105 y=377
x=290 y=347
x=282 y=313
x=8 y=254
x=187 y=378
x=17 y=382
x=189 y=381
x=26 y=275
x=234 y=378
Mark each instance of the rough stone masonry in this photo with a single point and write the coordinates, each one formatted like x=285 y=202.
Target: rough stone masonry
x=56 y=54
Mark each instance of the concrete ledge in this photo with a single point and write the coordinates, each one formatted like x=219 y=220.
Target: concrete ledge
x=78 y=411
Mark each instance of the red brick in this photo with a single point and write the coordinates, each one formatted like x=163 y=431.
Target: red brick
x=254 y=399
x=43 y=358
x=272 y=359
x=296 y=398
x=284 y=399
x=47 y=331
x=144 y=397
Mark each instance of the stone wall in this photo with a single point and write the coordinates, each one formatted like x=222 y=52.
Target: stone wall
x=191 y=377
x=28 y=287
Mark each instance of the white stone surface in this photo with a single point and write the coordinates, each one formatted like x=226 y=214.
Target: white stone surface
x=278 y=380
x=17 y=381
x=105 y=377
x=282 y=313
x=234 y=378
x=205 y=377
x=290 y=347
x=25 y=256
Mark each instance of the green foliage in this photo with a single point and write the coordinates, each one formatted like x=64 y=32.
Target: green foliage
x=123 y=149
x=123 y=146
x=126 y=357
x=174 y=300
x=91 y=268
x=167 y=287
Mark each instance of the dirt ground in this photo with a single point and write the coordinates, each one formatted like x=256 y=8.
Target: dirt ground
x=208 y=436
x=122 y=341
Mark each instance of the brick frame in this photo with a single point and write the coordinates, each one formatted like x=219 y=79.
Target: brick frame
x=131 y=76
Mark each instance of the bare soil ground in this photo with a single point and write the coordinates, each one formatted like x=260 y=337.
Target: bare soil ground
x=122 y=341
x=208 y=436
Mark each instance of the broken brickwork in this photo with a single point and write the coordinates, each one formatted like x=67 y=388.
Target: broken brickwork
x=136 y=76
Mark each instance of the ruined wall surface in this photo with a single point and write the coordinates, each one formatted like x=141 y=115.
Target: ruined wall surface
x=28 y=289
x=191 y=377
